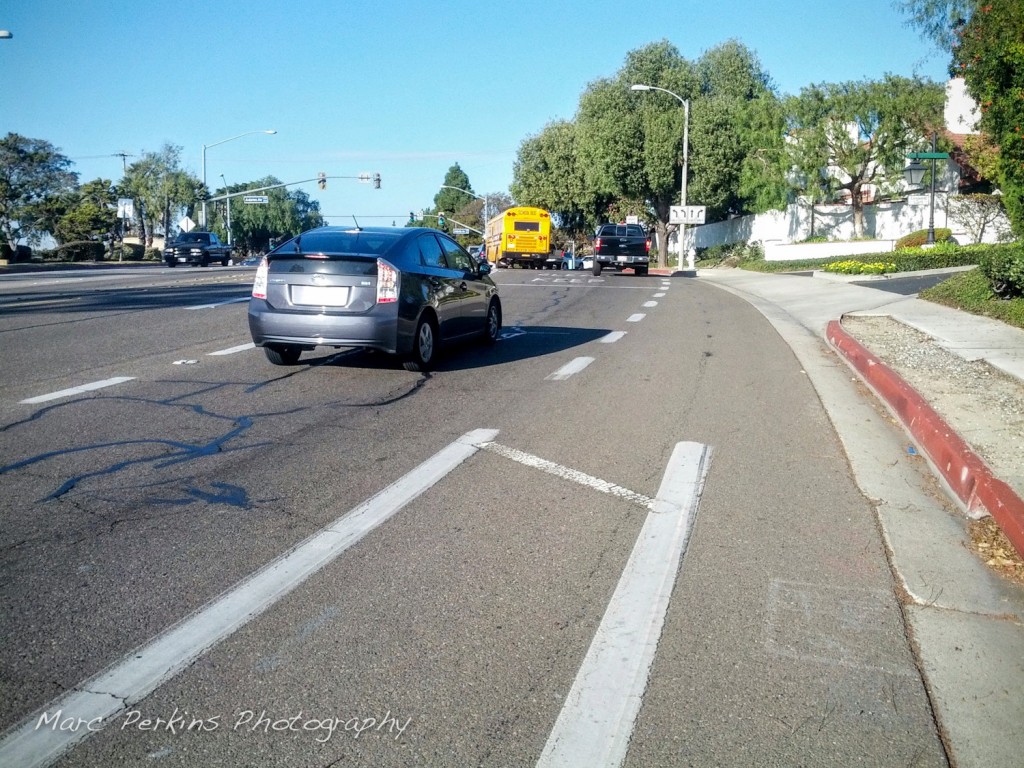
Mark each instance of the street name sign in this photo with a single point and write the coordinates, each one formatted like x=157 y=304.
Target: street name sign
x=460 y=231
x=687 y=214
x=260 y=199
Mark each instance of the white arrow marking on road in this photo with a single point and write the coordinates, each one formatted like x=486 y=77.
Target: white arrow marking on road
x=596 y=722
x=105 y=696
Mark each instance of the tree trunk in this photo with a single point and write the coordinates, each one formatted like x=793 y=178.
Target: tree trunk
x=661 y=229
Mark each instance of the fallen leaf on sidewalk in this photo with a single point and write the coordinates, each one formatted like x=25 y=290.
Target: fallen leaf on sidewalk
x=989 y=541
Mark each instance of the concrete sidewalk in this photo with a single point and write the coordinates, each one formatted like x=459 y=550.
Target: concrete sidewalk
x=967 y=623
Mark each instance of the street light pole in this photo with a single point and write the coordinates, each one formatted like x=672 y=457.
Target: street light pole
x=214 y=144
x=686 y=151
x=228 y=200
x=915 y=173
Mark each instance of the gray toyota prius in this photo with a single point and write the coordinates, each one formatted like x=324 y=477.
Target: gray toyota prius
x=404 y=291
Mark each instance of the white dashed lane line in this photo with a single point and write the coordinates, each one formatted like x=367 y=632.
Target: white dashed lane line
x=612 y=337
x=72 y=391
x=649 y=304
x=233 y=350
x=569 y=369
x=636 y=318
x=220 y=303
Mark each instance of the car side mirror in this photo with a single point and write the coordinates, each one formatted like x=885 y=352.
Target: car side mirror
x=485 y=268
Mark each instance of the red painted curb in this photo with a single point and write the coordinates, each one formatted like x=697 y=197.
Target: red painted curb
x=965 y=472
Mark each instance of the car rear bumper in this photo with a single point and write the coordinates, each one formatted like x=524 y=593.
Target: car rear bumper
x=378 y=329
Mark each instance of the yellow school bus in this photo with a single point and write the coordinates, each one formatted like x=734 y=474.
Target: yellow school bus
x=520 y=236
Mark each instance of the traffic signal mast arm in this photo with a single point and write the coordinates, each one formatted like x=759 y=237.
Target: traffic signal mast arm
x=289 y=184
x=453 y=221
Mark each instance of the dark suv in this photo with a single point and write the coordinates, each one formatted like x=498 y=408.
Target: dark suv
x=404 y=291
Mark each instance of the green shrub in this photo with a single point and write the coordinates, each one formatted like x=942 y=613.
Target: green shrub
x=1003 y=265
x=919 y=238
x=128 y=252
x=81 y=250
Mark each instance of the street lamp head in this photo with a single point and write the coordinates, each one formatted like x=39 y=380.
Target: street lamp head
x=639 y=87
x=914 y=173
x=270 y=132
x=5 y=35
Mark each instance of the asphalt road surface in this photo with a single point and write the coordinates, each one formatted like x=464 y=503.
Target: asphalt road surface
x=625 y=534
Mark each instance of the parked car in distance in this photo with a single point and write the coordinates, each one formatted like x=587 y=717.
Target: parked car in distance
x=405 y=291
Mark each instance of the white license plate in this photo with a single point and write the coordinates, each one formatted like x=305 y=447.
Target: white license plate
x=320 y=295
x=182 y=259
x=623 y=258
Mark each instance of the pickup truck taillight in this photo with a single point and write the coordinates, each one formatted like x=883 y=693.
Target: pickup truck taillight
x=647 y=245
x=597 y=244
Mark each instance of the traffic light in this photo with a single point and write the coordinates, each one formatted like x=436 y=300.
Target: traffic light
x=376 y=181
x=412 y=218
x=322 y=180
x=440 y=218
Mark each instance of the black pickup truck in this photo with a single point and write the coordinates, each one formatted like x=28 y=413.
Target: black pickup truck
x=197 y=248
x=618 y=246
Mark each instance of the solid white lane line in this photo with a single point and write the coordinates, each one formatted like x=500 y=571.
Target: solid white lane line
x=77 y=390
x=610 y=338
x=635 y=318
x=573 y=475
x=596 y=722
x=233 y=350
x=570 y=368
x=220 y=303
x=140 y=672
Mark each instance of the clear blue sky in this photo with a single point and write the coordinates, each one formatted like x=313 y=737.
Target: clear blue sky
x=400 y=88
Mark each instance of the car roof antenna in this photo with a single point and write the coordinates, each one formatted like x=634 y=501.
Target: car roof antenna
x=357 y=222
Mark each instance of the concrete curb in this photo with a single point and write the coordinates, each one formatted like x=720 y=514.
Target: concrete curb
x=966 y=473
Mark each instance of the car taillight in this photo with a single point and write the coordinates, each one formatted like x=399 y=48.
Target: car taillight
x=259 y=285
x=647 y=245
x=597 y=244
x=387 y=283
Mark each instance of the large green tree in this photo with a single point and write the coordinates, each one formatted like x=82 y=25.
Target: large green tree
x=160 y=189
x=449 y=199
x=90 y=213
x=862 y=131
x=631 y=144
x=32 y=172
x=547 y=173
x=990 y=55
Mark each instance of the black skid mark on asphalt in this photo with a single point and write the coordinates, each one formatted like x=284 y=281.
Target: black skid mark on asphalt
x=180 y=451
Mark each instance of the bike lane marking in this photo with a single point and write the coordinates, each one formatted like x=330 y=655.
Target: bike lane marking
x=39 y=741
x=596 y=722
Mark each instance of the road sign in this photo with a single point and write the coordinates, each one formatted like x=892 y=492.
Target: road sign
x=460 y=231
x=687 y=214
x=186 y=224
x=261 y=199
